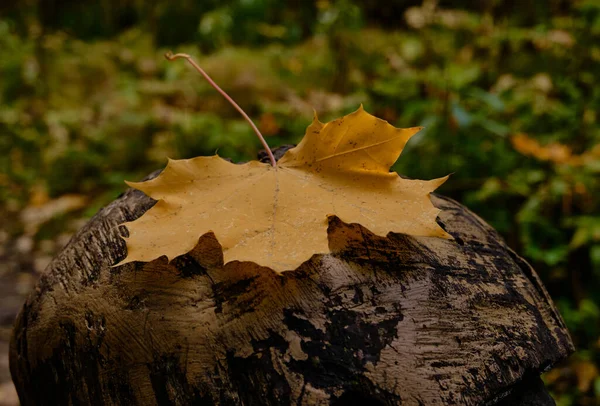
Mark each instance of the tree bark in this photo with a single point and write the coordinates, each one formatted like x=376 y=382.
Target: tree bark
x=379 y=321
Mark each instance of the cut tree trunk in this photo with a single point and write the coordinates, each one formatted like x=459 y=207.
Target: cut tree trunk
x=380 y=321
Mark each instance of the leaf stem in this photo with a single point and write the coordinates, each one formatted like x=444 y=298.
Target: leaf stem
x=171 y=57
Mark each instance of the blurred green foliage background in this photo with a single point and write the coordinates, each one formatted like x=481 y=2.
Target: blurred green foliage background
x=508 y=92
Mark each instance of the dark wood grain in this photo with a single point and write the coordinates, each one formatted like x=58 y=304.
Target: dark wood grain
x=380 y=321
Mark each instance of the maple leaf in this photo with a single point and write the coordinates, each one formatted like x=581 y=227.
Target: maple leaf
x=278 y=216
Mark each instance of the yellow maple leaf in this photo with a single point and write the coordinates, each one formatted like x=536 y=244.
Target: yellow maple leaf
x=278 y=216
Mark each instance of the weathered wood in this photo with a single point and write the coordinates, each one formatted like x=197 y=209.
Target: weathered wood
x=396 y=320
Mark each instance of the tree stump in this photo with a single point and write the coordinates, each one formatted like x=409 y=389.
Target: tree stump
x=380 y=321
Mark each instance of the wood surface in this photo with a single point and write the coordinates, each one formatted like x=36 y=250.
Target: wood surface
x=379 y=321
